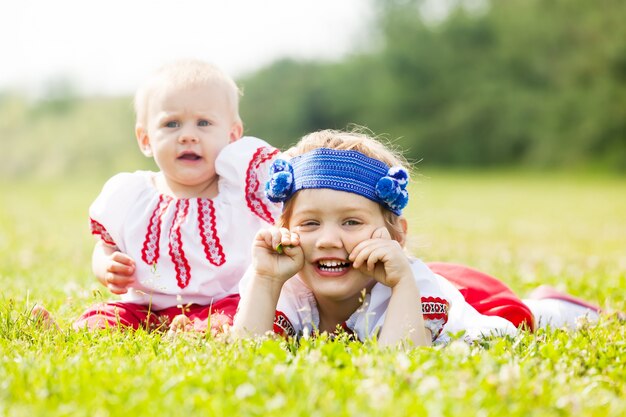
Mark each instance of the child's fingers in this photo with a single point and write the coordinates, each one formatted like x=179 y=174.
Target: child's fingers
x=115 y=289
x=287 y=239
x=121 y=269
x=265 y=237
x=118 y=280
x=122 y=258
x=363 y=251
x=381 y=233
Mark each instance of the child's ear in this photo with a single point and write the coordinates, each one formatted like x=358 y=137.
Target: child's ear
x=404 y=225
x=236 y=131
x=143 y=140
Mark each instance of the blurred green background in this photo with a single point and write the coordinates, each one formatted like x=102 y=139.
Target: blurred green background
x=538 y=84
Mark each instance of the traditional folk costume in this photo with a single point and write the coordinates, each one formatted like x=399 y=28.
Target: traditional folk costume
x=190 y=253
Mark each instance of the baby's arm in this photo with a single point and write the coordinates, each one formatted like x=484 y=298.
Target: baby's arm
x=272 y=268
x=385 y=260
x=114 y=269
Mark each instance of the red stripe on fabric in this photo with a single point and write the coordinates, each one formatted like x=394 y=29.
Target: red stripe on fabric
x=434 y=308
x=282 y=325
x=208 y=232
x=256 y=204
x=150 y=250
x=97 y=229
x=183 y=270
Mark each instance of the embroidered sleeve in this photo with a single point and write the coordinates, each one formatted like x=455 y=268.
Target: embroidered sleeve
x=99 y=230
x=435 y=313
x=243 y=168
x=109 y=210
x=255 y=181
x=283 y=326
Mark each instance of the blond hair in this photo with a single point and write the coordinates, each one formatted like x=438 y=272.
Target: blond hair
x=185 y=73
x=356 y=140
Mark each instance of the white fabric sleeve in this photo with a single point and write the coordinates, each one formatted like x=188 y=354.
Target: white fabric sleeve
x=243 y=168
x=108 y=212
x=369 y=319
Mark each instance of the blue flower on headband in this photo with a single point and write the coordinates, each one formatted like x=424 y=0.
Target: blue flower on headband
x=391 y=189
x=280 y=185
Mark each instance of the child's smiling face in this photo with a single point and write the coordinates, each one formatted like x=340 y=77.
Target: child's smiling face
x=186 y=129
x=331 y=224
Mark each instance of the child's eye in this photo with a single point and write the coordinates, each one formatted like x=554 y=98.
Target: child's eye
x=203 y=123
x=172 y=123
x=352 y=222
x=308 y=224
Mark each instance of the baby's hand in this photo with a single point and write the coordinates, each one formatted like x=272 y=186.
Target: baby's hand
x=277 y=254
x=120 y=270
x=381 y=258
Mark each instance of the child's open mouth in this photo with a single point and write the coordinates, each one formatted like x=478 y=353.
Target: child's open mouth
x=333 y=265
x=189 y=156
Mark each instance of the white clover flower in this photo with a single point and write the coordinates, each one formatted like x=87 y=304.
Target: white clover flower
x=245 y=390
x=459 y=347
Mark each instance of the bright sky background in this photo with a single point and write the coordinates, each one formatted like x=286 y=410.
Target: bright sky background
x=108 y=47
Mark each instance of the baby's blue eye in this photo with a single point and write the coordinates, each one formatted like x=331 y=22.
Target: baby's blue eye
x=203 y=123
x=172 y=123
x=352 y=223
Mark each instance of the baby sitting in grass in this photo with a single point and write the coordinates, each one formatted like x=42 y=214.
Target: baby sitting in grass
x=170 y=242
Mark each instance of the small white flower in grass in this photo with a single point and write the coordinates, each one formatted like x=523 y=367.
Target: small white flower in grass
x=277 y=401
x=584 y=321
x=402 y=361
x=459 y=347
x=315 y=356
x=509 y=373
x=363 y=361
x=245 y=390
x=377 y=392
x=280 y=369
x=428 y=385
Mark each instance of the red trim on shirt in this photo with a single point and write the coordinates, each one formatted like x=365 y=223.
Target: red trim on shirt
x=208 y=232
x=183 y=270
x=97 y=229
x=150 y=250
x=283 y=326
x=435 y=308
x=256 y=204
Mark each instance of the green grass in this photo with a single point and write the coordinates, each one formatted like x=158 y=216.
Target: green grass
x=527 y=229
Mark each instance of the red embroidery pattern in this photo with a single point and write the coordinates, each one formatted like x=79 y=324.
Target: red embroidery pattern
x=435 y=308
x=255 y=203
x=435 y=311
x=283 y=326
x=150 y=250
x=98 y=229
x=183 y=270
x=208 y=233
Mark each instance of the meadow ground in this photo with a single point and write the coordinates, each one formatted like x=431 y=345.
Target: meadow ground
x=527 y=229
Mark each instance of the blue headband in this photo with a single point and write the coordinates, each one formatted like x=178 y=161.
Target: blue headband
x=340 y=170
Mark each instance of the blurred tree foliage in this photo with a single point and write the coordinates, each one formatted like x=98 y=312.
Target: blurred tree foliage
x=534 y=82
x=67 y=136
x=528 y=82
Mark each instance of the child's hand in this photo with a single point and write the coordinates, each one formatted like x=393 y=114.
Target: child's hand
x=381 y=258
x=277 y=254
x=120 y=270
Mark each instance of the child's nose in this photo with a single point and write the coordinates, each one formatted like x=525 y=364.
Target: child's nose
x=187 y=137
x=329 y=238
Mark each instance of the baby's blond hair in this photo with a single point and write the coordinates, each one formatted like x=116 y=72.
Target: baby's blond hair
x=183 y=74
x=355 y=140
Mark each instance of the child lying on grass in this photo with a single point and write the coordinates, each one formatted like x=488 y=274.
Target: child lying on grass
x=336 y=259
